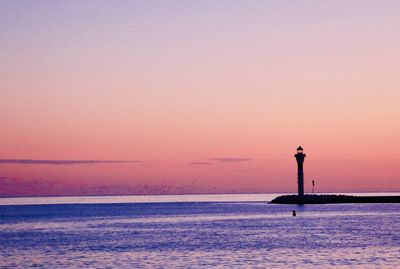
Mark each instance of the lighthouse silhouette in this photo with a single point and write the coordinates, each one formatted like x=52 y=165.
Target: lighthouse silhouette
x=300 y=174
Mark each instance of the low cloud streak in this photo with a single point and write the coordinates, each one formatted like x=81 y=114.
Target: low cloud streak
x=60 y=162
x=230 y=159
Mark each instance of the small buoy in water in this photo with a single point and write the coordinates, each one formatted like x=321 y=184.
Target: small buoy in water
x=294 y=213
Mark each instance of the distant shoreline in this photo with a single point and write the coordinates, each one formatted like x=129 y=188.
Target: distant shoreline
x=185 y=194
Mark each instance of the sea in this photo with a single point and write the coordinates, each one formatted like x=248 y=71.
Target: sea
x=195 y=231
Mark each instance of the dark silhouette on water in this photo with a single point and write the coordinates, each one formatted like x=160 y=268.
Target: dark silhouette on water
x=300 y=174
x=301 y=199
x=294 y=213
x=333 y=199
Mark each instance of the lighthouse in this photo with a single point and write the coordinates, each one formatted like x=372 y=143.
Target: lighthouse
x=300 y=174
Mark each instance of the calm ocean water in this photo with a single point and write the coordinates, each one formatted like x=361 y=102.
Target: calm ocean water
x=195 y=231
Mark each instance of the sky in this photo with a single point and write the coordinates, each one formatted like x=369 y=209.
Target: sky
x=179 y=97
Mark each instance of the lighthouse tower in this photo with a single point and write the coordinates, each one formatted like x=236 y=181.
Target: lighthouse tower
x=300 y=175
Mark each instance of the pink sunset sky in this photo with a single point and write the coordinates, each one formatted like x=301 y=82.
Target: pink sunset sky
x=201 y=96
